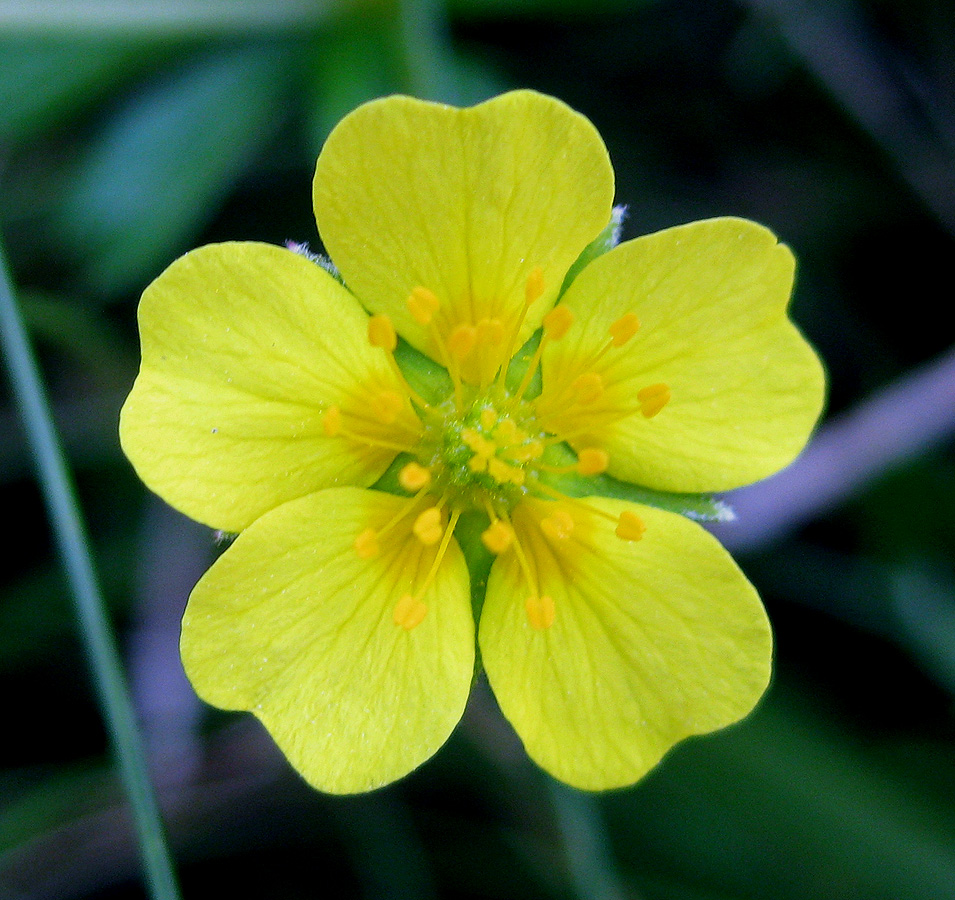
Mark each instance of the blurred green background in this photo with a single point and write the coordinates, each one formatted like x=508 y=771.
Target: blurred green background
x=131 y=132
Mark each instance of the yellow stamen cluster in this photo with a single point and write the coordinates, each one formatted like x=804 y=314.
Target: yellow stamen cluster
x=484 y=448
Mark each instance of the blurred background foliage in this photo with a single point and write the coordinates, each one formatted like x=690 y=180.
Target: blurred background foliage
x=131 y=132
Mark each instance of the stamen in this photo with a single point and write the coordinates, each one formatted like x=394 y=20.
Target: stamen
x=559 y=525
x=386 y=405
x=414 y=477
x=409 y=612
x=587 y=388
x=423 y=304
x=490 y=332
x=630 y=526
x=462 y=341
x=366 y=544
x=592 y=461
x=653 y=399
x=532 y=290
x=332 y=421
x=381 y=333
x=555 y=325
x=427 y=527
x=573 y=501
x=498 y=537
x=524 y=564
x=623 y=329
x=557 y=322
x=540 y=611
x=534 y=286
x=488 y=417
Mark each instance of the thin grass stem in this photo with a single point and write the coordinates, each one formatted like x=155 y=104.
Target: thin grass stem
x=74 y=550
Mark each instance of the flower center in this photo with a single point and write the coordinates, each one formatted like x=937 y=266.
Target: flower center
x=485 y=447
x=483 y=455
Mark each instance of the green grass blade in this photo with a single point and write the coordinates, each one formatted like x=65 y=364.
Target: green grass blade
x=73 y=547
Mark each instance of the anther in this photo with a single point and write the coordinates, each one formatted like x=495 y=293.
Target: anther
x=332 y=421
x=423 y=304
x=427 y=527
x=630 y=527
x=386 y=405
x=490 y=332
x=488 y=417
x=409 y=612
x=413 y=477
x=540 y=611
x=559 y=525
x=624 y=328
x=653 y=399
x=592 y=461
x=557 y=321
x=381 y=333
x=588 y=388
x=497 y=537
x=366 y=544
x=461 y=342
x=535 y=285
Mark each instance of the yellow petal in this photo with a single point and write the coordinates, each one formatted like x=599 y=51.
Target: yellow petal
x=244 y=346
x=745 y=388
x=650 y=642
x=466 y=203
x=292 y=624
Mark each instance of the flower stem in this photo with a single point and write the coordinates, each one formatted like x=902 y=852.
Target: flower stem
x=73 y=547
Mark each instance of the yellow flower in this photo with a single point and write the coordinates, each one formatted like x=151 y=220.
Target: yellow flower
x=270 y=403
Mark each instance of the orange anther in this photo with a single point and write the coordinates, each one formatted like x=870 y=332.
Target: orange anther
x=592 y=461
x=653 y=399
x=588 y=388
x=461 y=341
x=332 y=421
x=381 y=333
x=366 y=544
x=557 y=321
x=630 y=527
x=427 y=527
x=559 y=525
x=540 y=611
x=413 y=477
x=535 y=285
x=409 y=612
x=624 y=328
x=498 y=536
x=423 y=304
